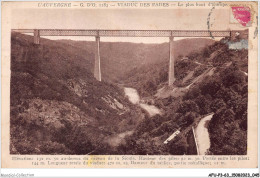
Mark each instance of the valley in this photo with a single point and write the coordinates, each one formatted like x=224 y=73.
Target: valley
x=58 y=107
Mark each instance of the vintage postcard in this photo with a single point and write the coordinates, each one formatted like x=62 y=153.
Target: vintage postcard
x=129 y=84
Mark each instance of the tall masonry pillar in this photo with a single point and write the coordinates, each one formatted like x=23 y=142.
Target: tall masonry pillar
x=171 y=63
x=36 y=36
x=97 y=70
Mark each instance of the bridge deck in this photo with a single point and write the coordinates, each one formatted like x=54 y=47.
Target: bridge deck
x=127 y=33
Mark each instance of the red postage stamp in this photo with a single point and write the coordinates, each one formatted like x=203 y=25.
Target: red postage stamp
x=241 y=15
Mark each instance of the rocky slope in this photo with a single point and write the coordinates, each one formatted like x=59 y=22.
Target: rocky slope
x=57 y=107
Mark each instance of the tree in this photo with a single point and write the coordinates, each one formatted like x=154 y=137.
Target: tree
x=178 y=148
x=210 y=86
x=217 y=104
x=232 y=78
x=187 y=106
x=192 y=94
x=203 y=104
x=206 y=52
x=226 y=137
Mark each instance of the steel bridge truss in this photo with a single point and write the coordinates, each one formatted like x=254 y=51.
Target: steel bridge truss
x=127 y=33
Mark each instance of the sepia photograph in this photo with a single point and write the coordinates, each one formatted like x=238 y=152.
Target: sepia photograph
x=187 y=96
x=131 y=79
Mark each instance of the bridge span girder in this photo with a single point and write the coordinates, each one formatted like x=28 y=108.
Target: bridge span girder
x=127 y=33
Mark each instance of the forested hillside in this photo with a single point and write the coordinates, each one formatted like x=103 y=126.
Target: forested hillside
x=213 y=80
x=57 y=106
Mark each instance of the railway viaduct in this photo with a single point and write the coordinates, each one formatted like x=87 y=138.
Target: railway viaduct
x=130 y=33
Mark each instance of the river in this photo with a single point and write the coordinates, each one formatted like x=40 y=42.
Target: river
x=134 y=98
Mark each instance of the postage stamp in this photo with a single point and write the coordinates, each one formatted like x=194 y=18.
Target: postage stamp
x=240 y=14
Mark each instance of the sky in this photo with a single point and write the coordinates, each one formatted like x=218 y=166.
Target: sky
x=121 y=19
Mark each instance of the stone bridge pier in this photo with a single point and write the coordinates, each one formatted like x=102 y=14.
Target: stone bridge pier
x=171 y=76
x=36 y=36
x=97 y=69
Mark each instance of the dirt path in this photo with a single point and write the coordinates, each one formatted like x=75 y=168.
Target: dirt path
x=202 y=135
